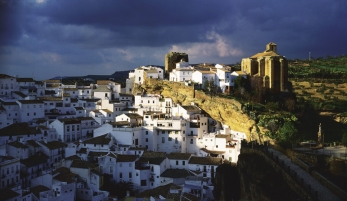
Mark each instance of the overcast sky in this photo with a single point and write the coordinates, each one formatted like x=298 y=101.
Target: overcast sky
x=47 y=38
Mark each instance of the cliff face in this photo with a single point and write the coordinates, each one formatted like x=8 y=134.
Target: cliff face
x=261 y=181
x=227 y=111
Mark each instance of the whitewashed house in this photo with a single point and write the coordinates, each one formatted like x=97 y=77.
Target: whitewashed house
x=201 y=76
x=158 y=163
x=10 y=113
x=10 y=171
x=100 y=143
x=17 y=149
x=236 y=74
x=55 y=150
x=125 y=170
x=179 y=160
x=206 y=166
x=8 y=84
x=16 y=131
x=183 y=72
x=30 y=110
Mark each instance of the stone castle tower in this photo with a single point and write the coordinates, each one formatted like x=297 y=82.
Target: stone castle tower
x=171 y=59
x=271 y=67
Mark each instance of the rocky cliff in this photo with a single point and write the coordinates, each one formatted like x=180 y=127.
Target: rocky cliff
x=225 y=110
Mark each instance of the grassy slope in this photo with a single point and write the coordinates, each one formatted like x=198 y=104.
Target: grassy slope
x=321 y=89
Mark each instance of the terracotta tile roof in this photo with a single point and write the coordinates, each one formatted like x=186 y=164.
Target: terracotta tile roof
x=25 y=80
x=18 y=129
x=189 y=197
x=126 y=95
x=161 y=190
x=97 y=172
x=82 y=164
x=133 y=115
x=191 y=108
x=73 y=157
x=102 y=88
x=153 y=154
x=221 y=136
x=102 y=139
x=85 y=118
x=105 y=82
x=120 y=123
x=52 y=81
x=66 y=176
x=107 y=111
x=129 y=109
x=53 y=144
x=61 y=170
x=82 y=151
x=38 y=189
x=176 y=173
x=212 y=151
x=205 y=160
x=179 y=156
x=153 y=157
x=19 y=94
x=35 y=160
x=5 y=158
x=97 y=153
x=2 y=76
x=8 y=103
x=30 y=101
x=17 y=144
x=6 y=194
x=206 y=72
x=70 y=121
x=50 y=98
x=32 y=143
x=265 y=54
x=126 y=158
x=240 y=72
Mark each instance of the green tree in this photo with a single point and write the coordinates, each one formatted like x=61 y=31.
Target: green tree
x=288 y=132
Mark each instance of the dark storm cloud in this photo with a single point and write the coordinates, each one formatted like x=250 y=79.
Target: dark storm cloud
x=10 y=22
x=87 y=36
x=130 y=23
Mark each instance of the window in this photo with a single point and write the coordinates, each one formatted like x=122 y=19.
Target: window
x=146 y=139
x=120 y=164
x=130 y=175
x=183 y=163
x=120 y=175
x=184 y=139
x=169 y=138
x=176 y=140
x=163 y=132
x=163 y=139
x=130 y=165
x=143 y=182
x=111 y=169
x=176 y=162
x=146 y=132
x=27 y=114
x=191 y=141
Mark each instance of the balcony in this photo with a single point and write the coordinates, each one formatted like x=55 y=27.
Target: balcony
x=194 y=125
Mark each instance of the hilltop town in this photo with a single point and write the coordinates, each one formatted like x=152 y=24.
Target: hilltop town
x=97 y=140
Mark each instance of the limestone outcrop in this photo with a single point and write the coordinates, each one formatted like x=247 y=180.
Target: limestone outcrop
x=225 y=110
